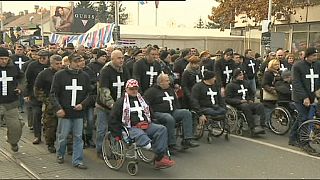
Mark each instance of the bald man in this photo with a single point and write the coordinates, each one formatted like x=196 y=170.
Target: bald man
x=111 y=87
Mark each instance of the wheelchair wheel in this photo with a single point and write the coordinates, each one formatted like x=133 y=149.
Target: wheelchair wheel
x=239 y=127
x=145 y=155
x=197 y=129
x=216 y=127
x=309 y=136
x=132 y=168
x=113 y=152
x=232 y=117
x=280 y=120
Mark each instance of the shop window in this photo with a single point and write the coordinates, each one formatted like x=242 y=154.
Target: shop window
x=314 y=40
x=299 y=42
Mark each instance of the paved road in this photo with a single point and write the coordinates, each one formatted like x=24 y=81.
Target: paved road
x=241 y=157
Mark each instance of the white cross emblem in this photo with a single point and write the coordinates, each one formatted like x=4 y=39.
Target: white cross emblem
x=227 y=72
x=197 y=78
x=312 y=76
x=4 y=79
x=243 y=91
x=169 y=99
x=74 y=88
x=151 y=73
x=290 y=87
x=138 y=109
x=283 y=68
x=118 y=84
x=20 y=62
x=252 y=64
x=212 y=94
x=202 y=71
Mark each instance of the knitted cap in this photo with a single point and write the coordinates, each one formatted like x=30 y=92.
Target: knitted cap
x=4 y=52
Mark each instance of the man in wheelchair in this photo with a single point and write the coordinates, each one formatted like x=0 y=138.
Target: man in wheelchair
x=240 y=96
x=207 y=98
x=133 y=112
x=164 y=103
x=284 y=91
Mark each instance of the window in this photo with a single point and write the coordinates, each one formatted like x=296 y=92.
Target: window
x=299 y=42
x=300 y=27
x=314 y=40
x=283 y=28
x=315 y=27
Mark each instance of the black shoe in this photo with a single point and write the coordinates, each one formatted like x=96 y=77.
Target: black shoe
x=188 y=143
x=258 y=130
x=36 y=141
x=14 y=147
x=51 y=149
x=81 y=166
x=294 y=143
x=60 y=160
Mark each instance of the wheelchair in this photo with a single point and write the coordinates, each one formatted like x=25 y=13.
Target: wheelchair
x=216 y=127
x=282 y=119
x=236 y=120
x=116 y=152
x=309 y=133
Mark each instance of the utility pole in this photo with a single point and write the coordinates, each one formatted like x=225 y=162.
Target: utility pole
x=2 y=19
x=116 y=22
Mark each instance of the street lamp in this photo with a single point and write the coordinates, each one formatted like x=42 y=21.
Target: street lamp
x=41 y=11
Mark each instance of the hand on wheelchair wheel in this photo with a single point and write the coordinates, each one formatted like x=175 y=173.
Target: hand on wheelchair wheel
x=202 y=120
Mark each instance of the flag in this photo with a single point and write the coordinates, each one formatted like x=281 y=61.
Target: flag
x=6 y=38
x=157 y=4
x=142 y=2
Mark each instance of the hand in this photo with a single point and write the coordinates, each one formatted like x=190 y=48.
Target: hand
x=61 y=113
x=243 y=101
x=223 y=92
x=78 y=107
x=27 y=99
x=202 y=120
x=306 y=102
x=250 y=101
x=18 y=91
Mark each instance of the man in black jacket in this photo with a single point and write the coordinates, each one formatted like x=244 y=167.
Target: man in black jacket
x=305 y=82
x=163 y=101
x=31 y=73
x=240 y=96
x=11 y=79
x=133 y=112
x=70 y=92
x=42 y=88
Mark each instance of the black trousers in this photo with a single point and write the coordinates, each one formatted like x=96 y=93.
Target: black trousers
x=250 y=109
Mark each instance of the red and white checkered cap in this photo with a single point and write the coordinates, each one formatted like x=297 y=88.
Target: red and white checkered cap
x=132 y=83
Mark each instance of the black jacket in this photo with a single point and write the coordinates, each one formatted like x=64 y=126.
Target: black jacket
x=155 y=96
x=251 y=66
x=284 y=90
x=19 y=60
x=62 y=97
x=220 y=68
x=202 y=99
x=234 y=93
x=301 y=83
x=178 y=67
x=189 y=78
x=43 y=84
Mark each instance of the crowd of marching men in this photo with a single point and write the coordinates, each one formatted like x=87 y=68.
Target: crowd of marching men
x=70 y=93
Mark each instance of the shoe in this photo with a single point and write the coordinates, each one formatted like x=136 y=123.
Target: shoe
x=51 y=149
x=188 y=143
x=81 y=166
x=36 y=141
x=258 y=130
x=293 y=143
x=14 y=147
x=165 y=162
x=173 y=149
x=309 y=150
x=60 y=160
x=100 y=156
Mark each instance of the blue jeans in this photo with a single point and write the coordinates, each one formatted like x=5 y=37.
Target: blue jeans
x=169 y=120
x=267 y=112
x=89 y=115
x=103 y=116
x=64 y=128
x=252 y=85
x=302 y=116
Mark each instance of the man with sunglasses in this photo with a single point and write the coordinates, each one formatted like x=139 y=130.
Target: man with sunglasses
x=31 y=73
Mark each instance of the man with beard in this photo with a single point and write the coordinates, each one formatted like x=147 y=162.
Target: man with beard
x=42 y=87
x=163 y=102
x=111 y=87
x=224 y=69
x=133 y=112
x=240 y=96
x=147 y=70
x=70 y=92
x=32 y=71
x=11 y=86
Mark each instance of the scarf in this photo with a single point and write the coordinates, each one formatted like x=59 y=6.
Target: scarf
x=126 y=109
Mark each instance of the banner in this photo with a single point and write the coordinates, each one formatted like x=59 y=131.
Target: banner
x=61 y=18
x=83 y=20
x=97 y=38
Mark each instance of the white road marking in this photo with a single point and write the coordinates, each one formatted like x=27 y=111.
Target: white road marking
x=276 y=146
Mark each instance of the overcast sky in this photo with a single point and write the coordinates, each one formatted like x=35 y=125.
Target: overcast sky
x=169 y=12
